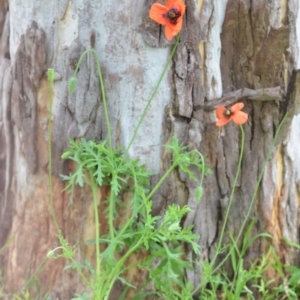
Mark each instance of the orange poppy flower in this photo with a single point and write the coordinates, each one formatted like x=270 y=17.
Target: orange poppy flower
x=234 y=113
x=169 y=15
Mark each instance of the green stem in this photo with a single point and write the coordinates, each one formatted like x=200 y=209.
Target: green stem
x=129 y=222
x=101 y=87
x=78 y=269
x=116 y=270
x=231 y=196
x=162 y=179
x=50 y=74
x=112 y=277
x=256 y=188
x=202 y=170
x=261 y=176
x=153 y=94
x=111 y=214
x=97 y=225
x=33 y=277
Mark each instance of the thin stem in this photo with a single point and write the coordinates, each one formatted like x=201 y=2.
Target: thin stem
x=50 y=74
x=261 y=176
x=113 y=275
x=111 y=215
x=129 y=222
x=162 y=179
x=202 y=169
x=256 y=188
x=110 y=281
x=231 y=195
x=153 y=94
x=51 y=79
x=78 y=269
x=34 y=275
x=101 y=88
x=97 y=225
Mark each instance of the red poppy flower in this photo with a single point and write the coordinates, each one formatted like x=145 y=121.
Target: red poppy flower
x=234 y=113
x=169 y=15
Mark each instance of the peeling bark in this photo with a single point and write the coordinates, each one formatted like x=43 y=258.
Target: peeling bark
x=29 y=67
x=255 y=57
x=6 y=145
x=229 y=51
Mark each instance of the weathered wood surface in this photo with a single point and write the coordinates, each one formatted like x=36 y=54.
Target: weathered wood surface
x=259 y=50
x=226 y=47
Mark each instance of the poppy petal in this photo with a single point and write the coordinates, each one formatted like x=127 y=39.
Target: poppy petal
x=220 y=112
x=176 y=27
x=157 y=13
x=223 y=121
x=236 y=107
x=182 y=7
x=179 y=4
x=240 y=117
x=169 y=32
x=170 y=4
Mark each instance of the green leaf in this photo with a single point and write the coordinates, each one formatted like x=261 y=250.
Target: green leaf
x=199 y=193
x=72 y=85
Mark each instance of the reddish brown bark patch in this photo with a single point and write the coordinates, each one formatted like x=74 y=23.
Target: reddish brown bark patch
x=28 y=70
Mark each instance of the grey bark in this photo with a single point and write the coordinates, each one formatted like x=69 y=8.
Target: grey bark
x=229 y=51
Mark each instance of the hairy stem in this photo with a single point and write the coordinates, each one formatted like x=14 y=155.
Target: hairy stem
x=97 y=226
x=231 y=196
x=116 y=270
x=166 y=175
x=50 y=74
x=101 y=88
x=261 y=176
x=111 y=215
x=153 y=94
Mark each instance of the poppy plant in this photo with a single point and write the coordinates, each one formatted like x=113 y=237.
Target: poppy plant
x=169 y=15
x=234 y=113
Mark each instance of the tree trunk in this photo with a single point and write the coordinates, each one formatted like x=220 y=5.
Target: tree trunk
x=235 y=50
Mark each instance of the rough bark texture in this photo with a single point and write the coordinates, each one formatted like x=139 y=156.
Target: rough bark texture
x=255 y=59
x=256 y=53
